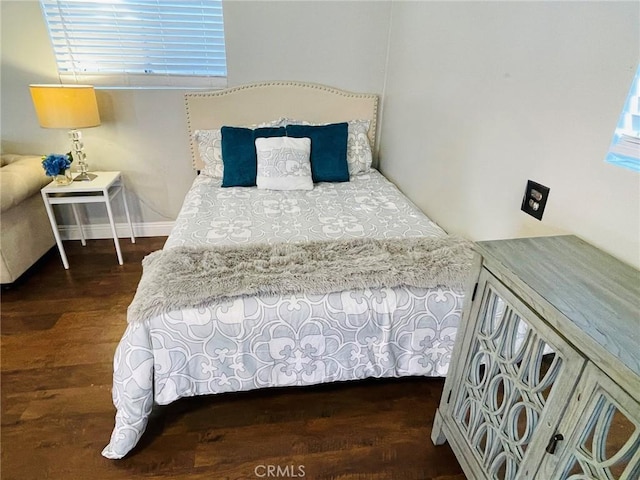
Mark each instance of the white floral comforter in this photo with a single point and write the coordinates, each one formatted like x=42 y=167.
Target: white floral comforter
x=256 y=342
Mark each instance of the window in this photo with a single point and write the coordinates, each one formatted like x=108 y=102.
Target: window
x=138 y=42
x=625 y=146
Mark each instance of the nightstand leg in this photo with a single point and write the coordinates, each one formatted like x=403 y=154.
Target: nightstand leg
x=56 y=234
x=77 y=217
x=126 y=211
x=113 y=228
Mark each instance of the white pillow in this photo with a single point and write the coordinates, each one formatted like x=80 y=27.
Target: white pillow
x=209 y=143
x=359 y=157
x=283 y=163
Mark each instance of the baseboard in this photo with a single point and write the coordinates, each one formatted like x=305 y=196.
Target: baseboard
x=150 y=229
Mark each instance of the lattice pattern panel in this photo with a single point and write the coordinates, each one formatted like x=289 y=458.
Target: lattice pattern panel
x=511 y=373
x=609 y=447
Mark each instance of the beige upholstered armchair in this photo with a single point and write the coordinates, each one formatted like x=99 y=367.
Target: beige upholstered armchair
x=25 y=232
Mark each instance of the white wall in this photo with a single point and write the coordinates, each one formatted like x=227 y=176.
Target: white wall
x=342 y=44
x=482 y=96
x=479 y=97
x=143 y=132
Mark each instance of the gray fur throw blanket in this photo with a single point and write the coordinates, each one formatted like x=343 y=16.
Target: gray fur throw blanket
x=188 y=277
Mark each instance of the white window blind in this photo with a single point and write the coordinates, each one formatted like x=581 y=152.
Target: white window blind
x=625 y=146
x=138 y=42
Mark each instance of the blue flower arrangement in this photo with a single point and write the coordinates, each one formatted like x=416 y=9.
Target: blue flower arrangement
x=56 y=164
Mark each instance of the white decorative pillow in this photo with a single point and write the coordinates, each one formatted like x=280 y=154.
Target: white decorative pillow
x=283 y=163
x=209 y=143
x=359 y=157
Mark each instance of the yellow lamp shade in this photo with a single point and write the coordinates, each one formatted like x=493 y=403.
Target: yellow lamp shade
x=65 y=106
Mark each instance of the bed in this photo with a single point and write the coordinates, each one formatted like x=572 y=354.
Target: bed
x=257 y=337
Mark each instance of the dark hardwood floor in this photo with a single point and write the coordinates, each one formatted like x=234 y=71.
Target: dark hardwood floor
x=59 y=332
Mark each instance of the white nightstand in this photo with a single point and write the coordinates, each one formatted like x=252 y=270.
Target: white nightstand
x=101 y=189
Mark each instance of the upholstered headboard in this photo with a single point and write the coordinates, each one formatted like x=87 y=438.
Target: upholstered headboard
x=263 y=102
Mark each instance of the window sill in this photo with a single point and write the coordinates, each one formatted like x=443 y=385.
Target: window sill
x=156 y=82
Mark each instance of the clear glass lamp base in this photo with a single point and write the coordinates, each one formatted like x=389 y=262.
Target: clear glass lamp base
x=78 y=154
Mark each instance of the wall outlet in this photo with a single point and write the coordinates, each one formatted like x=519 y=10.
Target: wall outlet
x=535 y=199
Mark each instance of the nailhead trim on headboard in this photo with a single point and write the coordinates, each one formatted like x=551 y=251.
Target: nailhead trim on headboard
x=297 y=85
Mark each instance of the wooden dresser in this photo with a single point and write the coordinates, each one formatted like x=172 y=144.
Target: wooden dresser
x=545 y=377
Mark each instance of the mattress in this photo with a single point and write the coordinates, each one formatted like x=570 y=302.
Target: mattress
x=275 y=341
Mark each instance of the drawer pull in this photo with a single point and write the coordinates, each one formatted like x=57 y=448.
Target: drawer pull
x=551 y=448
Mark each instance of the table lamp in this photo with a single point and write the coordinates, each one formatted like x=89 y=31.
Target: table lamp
x=72 y=107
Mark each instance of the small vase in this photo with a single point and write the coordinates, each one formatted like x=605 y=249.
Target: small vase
x=64 y=178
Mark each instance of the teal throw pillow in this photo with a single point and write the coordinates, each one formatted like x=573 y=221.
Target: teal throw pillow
x=240 y=164
x=328 y=150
